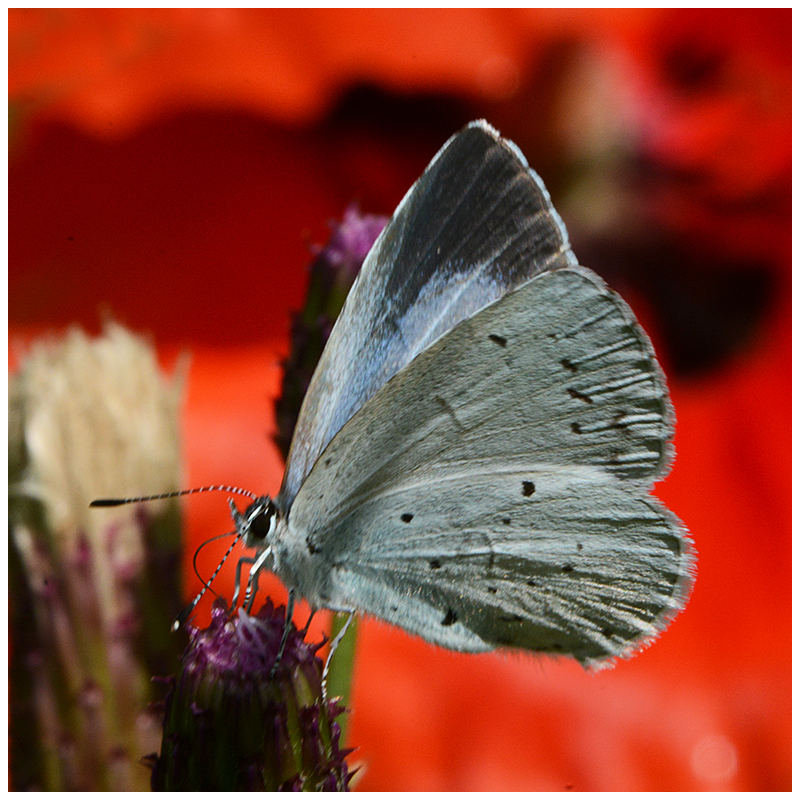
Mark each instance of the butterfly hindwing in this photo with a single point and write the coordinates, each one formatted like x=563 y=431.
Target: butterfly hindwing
x=474 y=560
x=476 y=225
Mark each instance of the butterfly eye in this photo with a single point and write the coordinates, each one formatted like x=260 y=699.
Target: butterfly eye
x=260 y=518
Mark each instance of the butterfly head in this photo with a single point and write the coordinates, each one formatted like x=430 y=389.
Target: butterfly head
x=255 y=525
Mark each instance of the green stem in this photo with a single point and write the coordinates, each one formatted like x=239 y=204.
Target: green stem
x=340 y=675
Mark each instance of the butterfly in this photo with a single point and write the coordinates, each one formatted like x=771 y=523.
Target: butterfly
x=474 y=458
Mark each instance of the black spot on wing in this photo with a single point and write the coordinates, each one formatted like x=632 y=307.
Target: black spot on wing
x=580 y=396
x=567 y=364
x=528 y=488
x=450 y=617
x=435 y=564
x=506 y=520
x=406 y=517
x=501 y=340
x=312 y=548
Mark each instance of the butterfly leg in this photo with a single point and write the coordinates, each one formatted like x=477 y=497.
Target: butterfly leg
x=252 y=580
x=289 y=613
x=334 y=644
x=308 y=622
x=237 y=586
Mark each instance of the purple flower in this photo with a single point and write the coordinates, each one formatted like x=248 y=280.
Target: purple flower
x=230 y=724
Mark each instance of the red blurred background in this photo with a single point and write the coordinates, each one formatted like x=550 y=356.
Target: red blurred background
x=171 y=167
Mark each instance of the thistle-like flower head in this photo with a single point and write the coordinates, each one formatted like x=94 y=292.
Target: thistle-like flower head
x=231 y=724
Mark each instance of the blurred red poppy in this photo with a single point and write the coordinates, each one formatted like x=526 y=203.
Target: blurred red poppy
x=166 y=166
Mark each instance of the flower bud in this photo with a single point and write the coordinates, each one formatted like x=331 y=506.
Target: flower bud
x=236 y=722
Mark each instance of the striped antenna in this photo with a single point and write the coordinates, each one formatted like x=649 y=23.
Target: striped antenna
x=110 y=501
x=184 y=615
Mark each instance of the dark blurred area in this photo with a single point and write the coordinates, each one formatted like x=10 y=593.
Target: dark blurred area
x=666 y=147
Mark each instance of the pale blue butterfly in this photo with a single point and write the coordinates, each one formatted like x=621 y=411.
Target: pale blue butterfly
x=474 y=457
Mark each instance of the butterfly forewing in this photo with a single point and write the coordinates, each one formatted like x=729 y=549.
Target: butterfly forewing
x=476 y=225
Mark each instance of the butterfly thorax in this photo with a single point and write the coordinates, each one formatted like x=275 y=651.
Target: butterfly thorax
x=301 y=564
